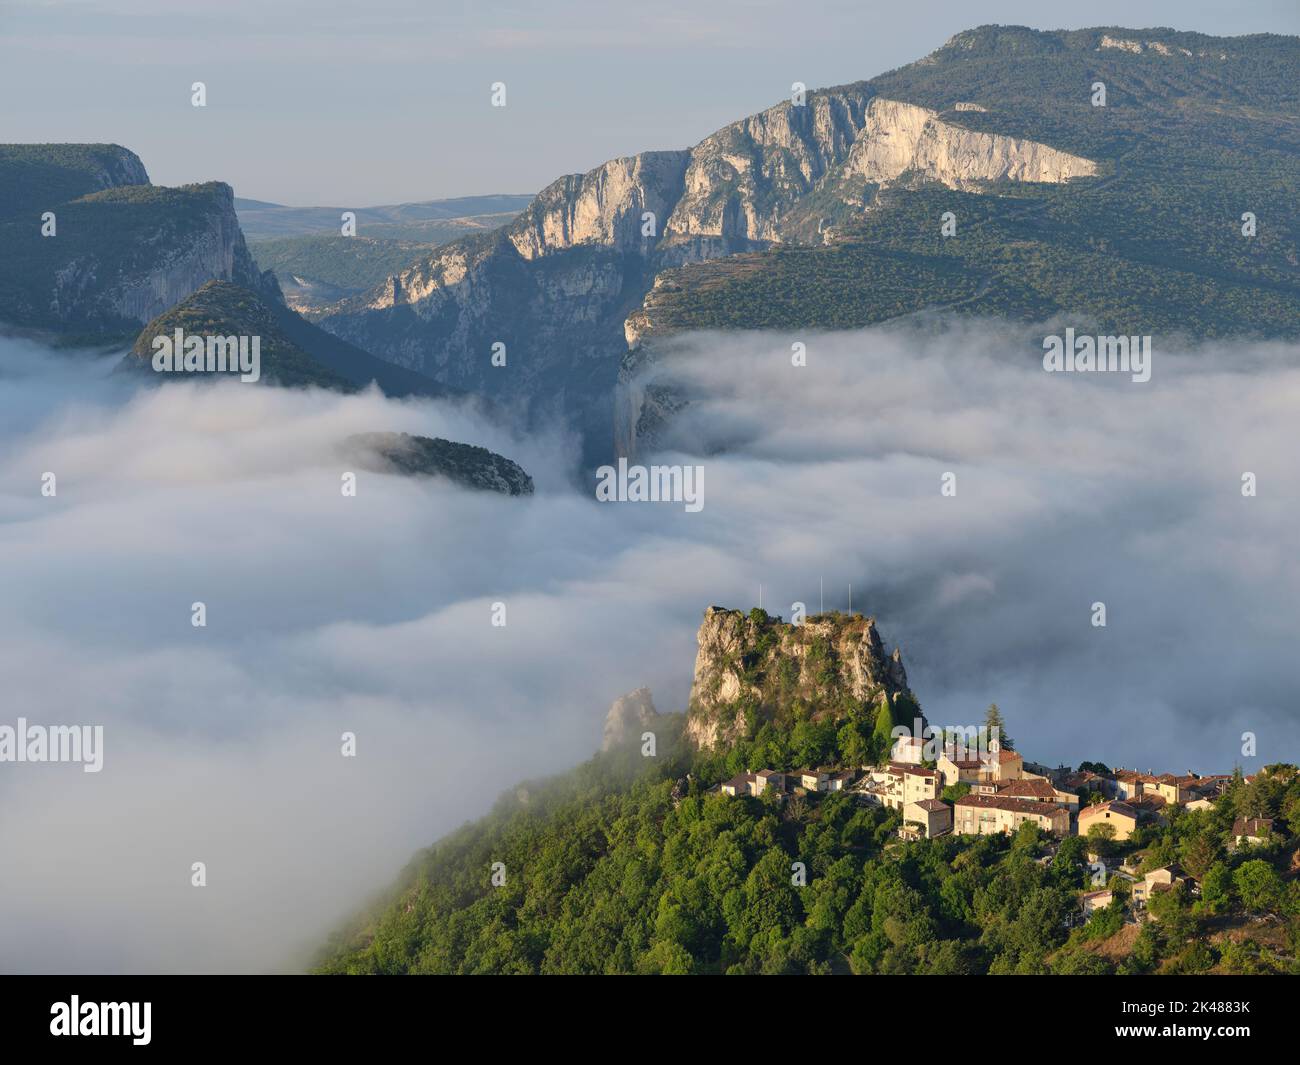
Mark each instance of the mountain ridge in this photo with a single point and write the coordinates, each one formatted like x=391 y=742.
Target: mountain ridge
x=991 y=107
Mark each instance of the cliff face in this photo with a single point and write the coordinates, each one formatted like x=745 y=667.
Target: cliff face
x=558 y=286
x=744 y=180
x=122 y=251
x=212 y=249
x=108 y=166
x=604 y=206
x=900 y=137
x=751 y=668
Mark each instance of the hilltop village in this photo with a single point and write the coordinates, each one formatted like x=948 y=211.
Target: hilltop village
x=965 y=792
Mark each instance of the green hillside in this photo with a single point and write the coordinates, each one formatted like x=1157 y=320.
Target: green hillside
x=294 y=352
x=220 y=308
x=613 y=870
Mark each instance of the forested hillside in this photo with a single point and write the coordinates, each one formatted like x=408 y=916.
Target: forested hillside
x=639 y=864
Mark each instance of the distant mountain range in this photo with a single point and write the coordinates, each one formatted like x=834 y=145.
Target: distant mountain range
x=261 y=220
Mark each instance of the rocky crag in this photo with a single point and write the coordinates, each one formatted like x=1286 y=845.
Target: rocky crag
x=752 y=668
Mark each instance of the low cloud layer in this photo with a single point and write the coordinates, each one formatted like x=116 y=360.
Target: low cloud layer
x=373 y=615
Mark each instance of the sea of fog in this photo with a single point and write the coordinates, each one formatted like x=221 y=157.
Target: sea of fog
x=373 y=614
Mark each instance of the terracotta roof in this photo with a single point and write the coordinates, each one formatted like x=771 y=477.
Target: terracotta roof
x=1022 y=806
x=918 y=771
x=1117 y=807
x=930 y=804
x=1252 y=826
x=1028 y=789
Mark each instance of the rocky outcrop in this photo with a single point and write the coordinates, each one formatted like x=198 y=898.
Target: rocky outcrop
x=606 y=206
x=629 y=715
x=900 y=138
x=1137 y=47
x=743 y=180
x=423 y=456
x=752 y=667
x=108 y=166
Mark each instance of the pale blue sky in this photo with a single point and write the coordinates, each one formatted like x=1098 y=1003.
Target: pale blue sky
x=381 y=101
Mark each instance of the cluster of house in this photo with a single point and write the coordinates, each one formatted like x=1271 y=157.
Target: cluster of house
x=1004 y=792
x=1141 y=887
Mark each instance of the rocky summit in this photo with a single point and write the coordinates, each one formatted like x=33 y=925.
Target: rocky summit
x=754 y=668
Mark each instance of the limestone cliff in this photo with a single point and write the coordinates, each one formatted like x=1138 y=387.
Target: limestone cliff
x=604 y=206
x=743 y=180
x=212 y=248
x=752 y=667
x=900 y=137
x=118 y=251
x=561 y=285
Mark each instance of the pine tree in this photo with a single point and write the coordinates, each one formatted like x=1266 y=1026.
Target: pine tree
x=992 y=720
x=884 y=733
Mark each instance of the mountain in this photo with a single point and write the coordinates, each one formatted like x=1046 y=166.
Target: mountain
x=122 y=250
x=293 y=351
x=1195 y=131
x=422 y=456
x=637 y=862
x=828 y=214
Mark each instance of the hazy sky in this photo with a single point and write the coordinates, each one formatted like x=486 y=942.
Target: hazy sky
x=376 y=101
